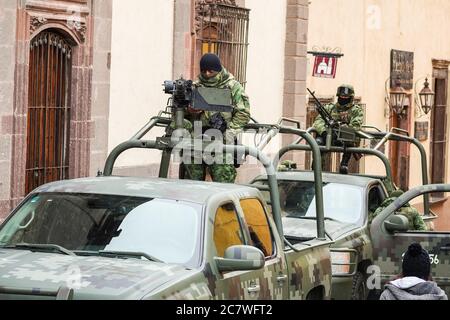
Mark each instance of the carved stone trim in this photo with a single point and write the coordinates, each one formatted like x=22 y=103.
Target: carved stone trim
x=205 y=8
x=36 y=22
x=72 y=14
x=78 y=27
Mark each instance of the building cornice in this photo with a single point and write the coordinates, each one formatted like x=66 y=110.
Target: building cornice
x=440 y=64
x=70 y=14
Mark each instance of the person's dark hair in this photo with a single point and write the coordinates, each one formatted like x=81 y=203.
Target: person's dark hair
x=210 y=62
x=416 y=262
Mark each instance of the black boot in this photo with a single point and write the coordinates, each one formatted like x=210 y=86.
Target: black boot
x=344 y=163
x=343 y=169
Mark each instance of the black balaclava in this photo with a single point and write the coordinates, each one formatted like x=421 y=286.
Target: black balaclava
x=210 y=62
x=416 y=262
x=344 y=101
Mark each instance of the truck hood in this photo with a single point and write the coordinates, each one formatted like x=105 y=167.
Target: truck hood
x=28 y=275
x=306 y=228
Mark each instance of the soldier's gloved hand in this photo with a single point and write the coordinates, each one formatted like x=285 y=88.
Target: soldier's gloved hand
x=218 y=122
x=334 y=124
x=321 y=139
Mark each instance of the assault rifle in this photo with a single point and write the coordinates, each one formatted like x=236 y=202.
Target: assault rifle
x=338 y=133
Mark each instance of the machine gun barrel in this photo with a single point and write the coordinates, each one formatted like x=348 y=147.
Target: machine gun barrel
x=326 y=116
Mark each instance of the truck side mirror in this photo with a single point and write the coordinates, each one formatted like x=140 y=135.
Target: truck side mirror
x=397 y=223
x=241 y=258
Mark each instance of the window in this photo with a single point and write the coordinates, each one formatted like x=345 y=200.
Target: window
x=375 y=199
x=223 y=30
x=342 y=202
x=90 y=222
x=258 y=225
x=48 y=116
x=227 y=229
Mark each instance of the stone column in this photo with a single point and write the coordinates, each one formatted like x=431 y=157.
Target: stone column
x=22 y=21
x=183 y=40
x=294 y=104
x=8 y=16
x=98 y=124
x=81 y=125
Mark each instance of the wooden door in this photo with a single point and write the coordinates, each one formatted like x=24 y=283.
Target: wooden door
x=439 y=134
x=399 y=153
x=48 y=121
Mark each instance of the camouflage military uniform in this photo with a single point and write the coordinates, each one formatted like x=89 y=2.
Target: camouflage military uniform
x=415 y=219
x=287 y=165
x=351 y=114
x=346 y=113
x=235 y=120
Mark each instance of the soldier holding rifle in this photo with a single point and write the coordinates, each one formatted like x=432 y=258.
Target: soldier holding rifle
x=343 y=116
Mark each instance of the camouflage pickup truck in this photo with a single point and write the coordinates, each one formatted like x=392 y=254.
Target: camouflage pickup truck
x=373 y=255
x=139 y=238
x=346 y=207
x=136 y=238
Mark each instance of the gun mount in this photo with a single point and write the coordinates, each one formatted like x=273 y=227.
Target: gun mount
x=186 y=94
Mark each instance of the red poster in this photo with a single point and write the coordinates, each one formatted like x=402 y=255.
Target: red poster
x=325 y=67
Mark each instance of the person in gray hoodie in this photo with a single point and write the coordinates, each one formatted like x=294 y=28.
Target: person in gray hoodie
x=415 y=281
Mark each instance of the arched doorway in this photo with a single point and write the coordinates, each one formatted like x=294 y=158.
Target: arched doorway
x=48 y=116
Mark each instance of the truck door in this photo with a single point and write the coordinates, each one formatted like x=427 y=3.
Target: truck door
x=388 y=250
x=274 y=282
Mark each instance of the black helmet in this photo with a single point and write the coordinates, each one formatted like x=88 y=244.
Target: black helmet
x=346 y=90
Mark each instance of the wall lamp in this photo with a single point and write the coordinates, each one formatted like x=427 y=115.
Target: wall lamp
x=395 y=97
x=425 y=98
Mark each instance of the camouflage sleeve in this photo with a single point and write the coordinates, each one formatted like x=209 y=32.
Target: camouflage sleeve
x=241 y=103
x=419 y=224
x=372 y=215
x=357 y=117
x=319 y=124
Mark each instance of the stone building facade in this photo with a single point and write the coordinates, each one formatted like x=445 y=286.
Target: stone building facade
x=275 y=65
x=382 y=40
x=52 y=111
x=61 y=122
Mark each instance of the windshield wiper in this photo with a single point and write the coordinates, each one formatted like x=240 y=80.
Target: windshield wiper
x=40 y=247
x=109 y=253
x=332 y=219
x=300 y=217
x=312 y=218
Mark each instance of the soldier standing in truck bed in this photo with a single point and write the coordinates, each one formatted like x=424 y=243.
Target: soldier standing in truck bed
x=346 y=112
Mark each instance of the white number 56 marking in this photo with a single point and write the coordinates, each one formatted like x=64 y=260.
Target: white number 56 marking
x=434 y=259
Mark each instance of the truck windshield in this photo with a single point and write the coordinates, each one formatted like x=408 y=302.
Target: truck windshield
x=342 y=202
x=89 y=224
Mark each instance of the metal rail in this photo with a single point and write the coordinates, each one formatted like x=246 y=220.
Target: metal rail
x=248 y=151
x=314 y=147
x=392 y=136
x=405 y=198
